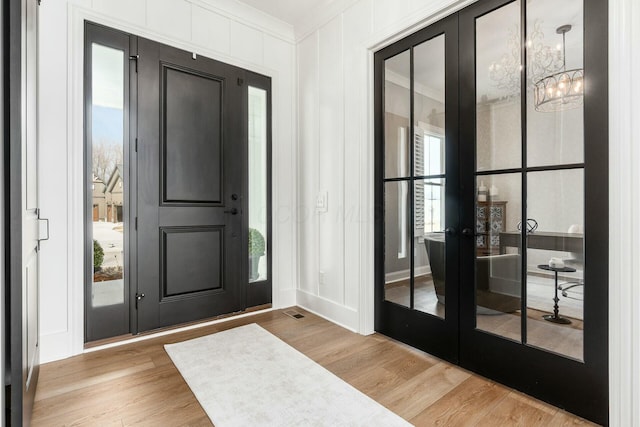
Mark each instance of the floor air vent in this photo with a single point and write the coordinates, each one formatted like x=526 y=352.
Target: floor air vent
x=294 y=314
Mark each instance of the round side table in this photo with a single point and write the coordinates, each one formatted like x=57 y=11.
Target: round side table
x=555 y=317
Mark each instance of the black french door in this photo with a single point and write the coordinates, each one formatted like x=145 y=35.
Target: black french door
x=493 y=255
x=418 y=168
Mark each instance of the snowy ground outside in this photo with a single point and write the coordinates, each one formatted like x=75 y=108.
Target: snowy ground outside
x=111 y=237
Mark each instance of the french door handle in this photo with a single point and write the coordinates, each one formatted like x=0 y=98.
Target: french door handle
x=467 y=232
x=233 y=211
x=450 y=231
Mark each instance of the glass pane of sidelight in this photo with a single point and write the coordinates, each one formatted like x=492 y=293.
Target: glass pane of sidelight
x=429 y=112
x=397 y=241
x=555 y=116
x=257 y=184
x=498 y=261
x=555 y=261
x=397 y=115
x=498 y=87
x=429 y=262
x=109 y=179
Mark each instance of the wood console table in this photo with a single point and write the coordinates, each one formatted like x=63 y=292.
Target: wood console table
x=563 y=242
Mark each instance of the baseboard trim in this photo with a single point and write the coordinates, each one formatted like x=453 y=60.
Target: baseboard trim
x=329 y=310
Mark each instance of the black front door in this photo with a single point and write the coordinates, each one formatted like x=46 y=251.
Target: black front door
x=491 y=190
x=191 y=181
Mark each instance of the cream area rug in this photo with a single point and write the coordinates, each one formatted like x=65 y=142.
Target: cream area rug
x=248 y=377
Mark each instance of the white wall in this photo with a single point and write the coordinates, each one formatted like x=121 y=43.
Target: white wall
x=624 y=212
x=220 y=29
x=335 y=75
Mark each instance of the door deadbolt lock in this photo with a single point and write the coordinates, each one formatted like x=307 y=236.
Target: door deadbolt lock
x=139 y=297
x=233 y=211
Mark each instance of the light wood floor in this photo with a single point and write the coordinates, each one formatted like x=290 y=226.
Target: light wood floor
x=137 y=384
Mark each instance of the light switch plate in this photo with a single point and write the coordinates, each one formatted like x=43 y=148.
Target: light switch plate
x=322 y=202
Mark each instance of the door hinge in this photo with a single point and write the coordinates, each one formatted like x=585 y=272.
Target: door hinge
x=135 y=58
x=40 y=229
x=139 y=297
x=136 y=145
x=240 y=82
x=136 y=224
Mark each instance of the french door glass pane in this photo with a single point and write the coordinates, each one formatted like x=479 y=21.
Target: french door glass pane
x=397 y=114
x=429 y=112
x=109 y=179
x=554 y=137
x=430 y=253
x=397 y=240
x=498 y=261
x=498 y=87
x=257 y=184
x=556 y=202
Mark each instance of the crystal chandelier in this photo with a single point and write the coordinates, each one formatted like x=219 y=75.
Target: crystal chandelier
x=542 y=60
x=561 y=90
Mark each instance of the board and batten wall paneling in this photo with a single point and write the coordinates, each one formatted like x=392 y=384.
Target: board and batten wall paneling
x=284 y=167
x=331 y=161
x=308 y=153
x=624 y=212
x=332 y=61
x=169 y=17
x=211 y=29
x=220 y=29
x=54 y=183
x=357 y=26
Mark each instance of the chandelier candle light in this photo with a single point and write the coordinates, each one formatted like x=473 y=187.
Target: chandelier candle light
x=542 y=60
x=562 y=90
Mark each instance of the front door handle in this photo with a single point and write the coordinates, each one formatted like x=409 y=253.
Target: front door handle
x=467 y=232
x=450 y=231
x=233 y=211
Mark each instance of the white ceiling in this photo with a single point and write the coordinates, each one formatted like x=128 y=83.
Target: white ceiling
x=289 y=11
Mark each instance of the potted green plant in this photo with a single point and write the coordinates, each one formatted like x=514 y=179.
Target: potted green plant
x=256 y=251
x=98 y=255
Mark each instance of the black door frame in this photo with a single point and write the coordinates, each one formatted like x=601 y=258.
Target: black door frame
x=260 y=292
x=256 y=293
x=108 y=321
x=437 y=334
x=584 y=389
